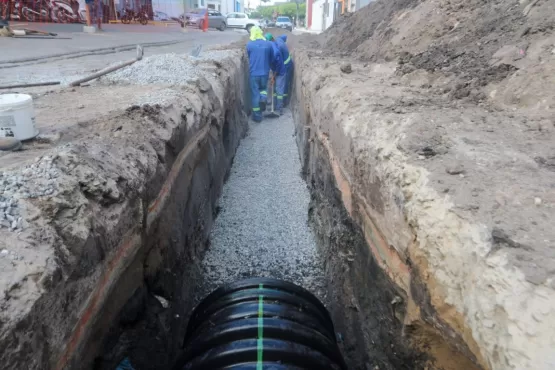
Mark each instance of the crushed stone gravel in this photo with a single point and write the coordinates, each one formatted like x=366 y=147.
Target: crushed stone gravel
x=170 y=69
x=164 y=69
x=31 y=181
x=262 y=229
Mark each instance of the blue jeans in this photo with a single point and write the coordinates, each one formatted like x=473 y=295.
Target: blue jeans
x=259 y=84
x=281 y=82
x=288 y=82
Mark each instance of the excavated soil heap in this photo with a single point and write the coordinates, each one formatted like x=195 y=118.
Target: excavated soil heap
x=436 y=119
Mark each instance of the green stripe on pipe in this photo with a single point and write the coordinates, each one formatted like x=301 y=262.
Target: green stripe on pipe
x=260 y=340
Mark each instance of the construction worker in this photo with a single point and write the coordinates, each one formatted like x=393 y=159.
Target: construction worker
x=279 y=75
x=260 y=54
x=288 y=62
x=88 y=11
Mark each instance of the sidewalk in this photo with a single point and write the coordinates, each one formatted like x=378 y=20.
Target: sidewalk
x=302 y=30
x=66 y=60
x=72 y=41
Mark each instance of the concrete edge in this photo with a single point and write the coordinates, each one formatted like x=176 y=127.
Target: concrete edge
x=71 y=55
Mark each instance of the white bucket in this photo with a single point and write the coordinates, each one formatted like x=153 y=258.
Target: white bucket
x=17 y=116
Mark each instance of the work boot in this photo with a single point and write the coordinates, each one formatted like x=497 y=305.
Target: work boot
x=262 y=106
x=257 y=116
x=9 y=144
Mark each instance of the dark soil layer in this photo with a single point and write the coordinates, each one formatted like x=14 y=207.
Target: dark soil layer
x=366 y=306
x=145 y=331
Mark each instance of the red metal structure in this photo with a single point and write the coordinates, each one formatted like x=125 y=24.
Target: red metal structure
x=309 y=14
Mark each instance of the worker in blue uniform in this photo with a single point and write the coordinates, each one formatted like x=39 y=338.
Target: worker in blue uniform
x=260 y=54
x=279 y=74
x=288 y=62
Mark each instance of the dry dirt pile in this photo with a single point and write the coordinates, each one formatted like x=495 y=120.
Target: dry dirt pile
x=439 y=116
x=470 y=43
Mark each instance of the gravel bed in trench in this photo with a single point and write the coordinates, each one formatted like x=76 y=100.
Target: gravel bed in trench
x=262 y=229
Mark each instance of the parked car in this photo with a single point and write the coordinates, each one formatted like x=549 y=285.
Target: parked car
x=160 y=16
x=241 y=20
x=195 y=18
x=284 y=22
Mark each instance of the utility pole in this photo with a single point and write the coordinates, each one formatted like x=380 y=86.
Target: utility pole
x=297 y=17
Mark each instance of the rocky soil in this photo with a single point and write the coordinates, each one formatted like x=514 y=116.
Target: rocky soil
x=439 y=119
x=75 y=204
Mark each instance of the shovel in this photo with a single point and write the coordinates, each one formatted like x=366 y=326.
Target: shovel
x=272 y=113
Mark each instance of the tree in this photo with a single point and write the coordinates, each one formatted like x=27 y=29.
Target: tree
x=297 y=6
x=287 y=9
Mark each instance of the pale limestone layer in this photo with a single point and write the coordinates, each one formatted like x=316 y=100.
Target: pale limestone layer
x=489 y=288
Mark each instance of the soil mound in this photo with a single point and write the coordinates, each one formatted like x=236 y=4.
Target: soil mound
x=473 y=43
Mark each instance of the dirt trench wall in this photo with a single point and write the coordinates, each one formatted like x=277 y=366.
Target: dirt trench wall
x=131 y=213
x=456 y=289
x=364 y=303
x=371 y=305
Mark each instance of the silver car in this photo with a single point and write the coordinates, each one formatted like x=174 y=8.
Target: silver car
x=284 y=22
x=195 y=18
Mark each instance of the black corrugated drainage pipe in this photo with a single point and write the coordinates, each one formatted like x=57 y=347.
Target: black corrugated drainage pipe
x=261 y=323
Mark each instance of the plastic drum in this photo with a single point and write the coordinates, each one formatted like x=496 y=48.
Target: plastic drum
x=17 y=116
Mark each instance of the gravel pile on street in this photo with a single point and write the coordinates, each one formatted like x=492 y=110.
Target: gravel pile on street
x=213 y=55
x=164 y=69
x=262 y=228
x=32 y=181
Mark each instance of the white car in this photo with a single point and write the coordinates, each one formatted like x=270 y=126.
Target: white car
x=160 y=16
x=241 y=20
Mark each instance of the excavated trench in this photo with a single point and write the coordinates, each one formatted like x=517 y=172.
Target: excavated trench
x=265 y=221
x=227 y=200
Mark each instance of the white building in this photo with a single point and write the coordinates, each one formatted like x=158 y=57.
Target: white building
x=226 y=6
x=320 y=13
